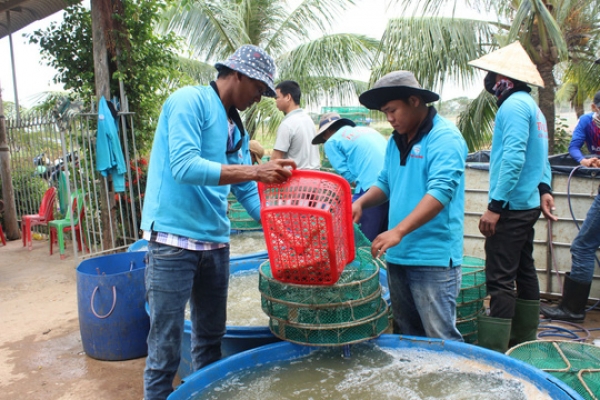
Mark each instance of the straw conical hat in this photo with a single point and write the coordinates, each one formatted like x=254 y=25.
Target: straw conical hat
x=511 y=61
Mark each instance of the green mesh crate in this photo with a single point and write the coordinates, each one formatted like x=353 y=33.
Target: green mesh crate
x=332 y=313
x=468 y=329
x=240 y=219
x=472 y=277
x=469 y=261
x=576 y=364
x=468 y=310
x=359 y=280
x=334 y=334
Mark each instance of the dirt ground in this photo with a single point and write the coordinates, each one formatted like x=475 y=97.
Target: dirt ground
x=41 y=355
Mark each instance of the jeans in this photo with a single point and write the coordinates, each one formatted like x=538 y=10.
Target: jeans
x=509 y=261
x=424 y=300
x=174 y=276
x=374 y=220
x=585 y=244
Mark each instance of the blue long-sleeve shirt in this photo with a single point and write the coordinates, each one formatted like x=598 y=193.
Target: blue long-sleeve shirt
x=183 y=196
x=357 y=153
x=109 y=154
x=435 y=166
x=586 y=132
x=519 y=156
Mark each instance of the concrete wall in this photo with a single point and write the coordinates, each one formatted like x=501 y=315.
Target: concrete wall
x=552 y=257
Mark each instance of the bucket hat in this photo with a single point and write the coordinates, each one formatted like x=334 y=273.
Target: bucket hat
x=253 y=62
x=393 y=86
x=326 y=121
x=257 y=150
x=511 y=61
x=597 y=99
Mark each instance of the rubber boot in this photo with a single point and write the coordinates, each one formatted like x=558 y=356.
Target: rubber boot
x=572 y=306
x=525 y=322
x=493 y=333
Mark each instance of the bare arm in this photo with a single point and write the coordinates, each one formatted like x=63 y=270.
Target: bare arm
x=271 y=172
x=277 y=155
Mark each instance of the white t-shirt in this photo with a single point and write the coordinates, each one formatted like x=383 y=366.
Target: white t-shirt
x=294 y=137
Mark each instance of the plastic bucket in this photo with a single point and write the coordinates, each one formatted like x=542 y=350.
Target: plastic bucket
x=140 y=245
x=110 y=299
x=194 y=385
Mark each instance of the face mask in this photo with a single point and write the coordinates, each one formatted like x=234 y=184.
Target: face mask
x=489 y=82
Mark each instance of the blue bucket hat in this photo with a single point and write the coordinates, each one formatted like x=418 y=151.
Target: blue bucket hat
x=253 y=62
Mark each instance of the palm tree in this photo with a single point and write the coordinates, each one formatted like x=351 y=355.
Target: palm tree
x=557 y=34
x=324 y=66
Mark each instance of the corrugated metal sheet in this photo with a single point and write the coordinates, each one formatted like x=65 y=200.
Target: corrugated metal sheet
x=24 y=12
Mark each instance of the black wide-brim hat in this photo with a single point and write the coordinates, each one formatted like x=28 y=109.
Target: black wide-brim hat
x=393 y=86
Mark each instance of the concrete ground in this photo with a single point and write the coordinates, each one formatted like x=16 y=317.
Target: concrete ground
x=41 y=354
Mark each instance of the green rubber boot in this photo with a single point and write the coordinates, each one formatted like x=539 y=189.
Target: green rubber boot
x=525 y=321
x=493 y=333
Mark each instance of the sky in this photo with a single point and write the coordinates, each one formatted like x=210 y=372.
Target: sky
x=34 y=77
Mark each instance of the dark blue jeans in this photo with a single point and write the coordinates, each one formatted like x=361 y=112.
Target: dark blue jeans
x=424 y=300
x=174 y=276
x=585 y=245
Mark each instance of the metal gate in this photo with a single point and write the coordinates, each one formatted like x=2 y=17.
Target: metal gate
x=45 y=146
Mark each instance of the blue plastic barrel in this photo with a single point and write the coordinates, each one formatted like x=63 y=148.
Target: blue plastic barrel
x=194 y=385
x=110 y=299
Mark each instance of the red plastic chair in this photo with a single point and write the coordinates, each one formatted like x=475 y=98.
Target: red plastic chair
x=45 y=215
x=2 y=237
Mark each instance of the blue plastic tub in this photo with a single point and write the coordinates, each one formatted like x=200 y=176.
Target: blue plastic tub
x=110 y=299
x=140 y=245
x=194 y=384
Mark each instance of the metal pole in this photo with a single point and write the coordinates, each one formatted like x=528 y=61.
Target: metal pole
x=14 y=71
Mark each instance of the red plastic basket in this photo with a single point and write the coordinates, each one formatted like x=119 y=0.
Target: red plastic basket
x=308 y=227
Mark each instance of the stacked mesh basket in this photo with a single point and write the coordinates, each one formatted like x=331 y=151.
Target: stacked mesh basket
x=470 y=299
x=576 y=364
x=350 y=311
x=240 y=219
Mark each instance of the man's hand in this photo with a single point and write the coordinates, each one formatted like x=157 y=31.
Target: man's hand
x=590 y=162
x=275 y=171
x=384 y=241
x=487 y=223
x=547 y=205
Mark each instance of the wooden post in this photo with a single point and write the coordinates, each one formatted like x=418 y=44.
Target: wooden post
x=102 y=80
x=8 y=194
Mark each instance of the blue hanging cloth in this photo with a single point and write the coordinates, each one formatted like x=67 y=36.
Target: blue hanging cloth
x=109 y=154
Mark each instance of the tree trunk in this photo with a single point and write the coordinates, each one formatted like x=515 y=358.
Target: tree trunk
x=8 y=194
x=546 y=101
x=102 y=80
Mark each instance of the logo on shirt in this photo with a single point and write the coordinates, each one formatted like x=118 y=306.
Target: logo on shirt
x=416 y=151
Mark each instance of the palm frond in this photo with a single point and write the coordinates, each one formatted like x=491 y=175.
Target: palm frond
x=477 y=122
x=329 y=55
x=444 y=47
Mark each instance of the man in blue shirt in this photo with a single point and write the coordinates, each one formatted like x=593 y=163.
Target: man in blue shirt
x=578 y=283
x=357 y=154
x=423 y=179
x=520 y=179
x=197 y=157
